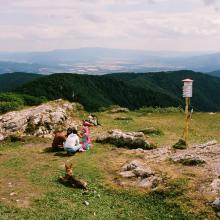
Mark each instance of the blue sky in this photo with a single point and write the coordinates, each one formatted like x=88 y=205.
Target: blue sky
x=41 y=25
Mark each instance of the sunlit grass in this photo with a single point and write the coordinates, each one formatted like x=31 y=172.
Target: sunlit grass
x=33 y=173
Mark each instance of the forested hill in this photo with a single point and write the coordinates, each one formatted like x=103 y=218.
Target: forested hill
x=10 y=81
x=95 y=92
x=128 y=89
x=206 y=88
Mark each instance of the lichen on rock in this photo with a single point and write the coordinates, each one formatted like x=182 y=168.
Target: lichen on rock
x=132 y=140
x=39 y=121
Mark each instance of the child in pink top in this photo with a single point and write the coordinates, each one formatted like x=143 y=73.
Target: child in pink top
x=86 y=142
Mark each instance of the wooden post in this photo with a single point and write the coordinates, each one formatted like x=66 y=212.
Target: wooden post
x=186 y=129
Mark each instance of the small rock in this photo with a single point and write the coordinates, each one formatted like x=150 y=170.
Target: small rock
x=13 y=194
x=153 y=131
x=139 y=150
x=85 y=192
x=136 y=169
x=211 y=113
x=119 y=109
x=48 y=136
x=127 y=174
x=123 y=118
x=216 y=204
x=132 y=165
x=86 y=203
x=209 y=143
x=215 y=186
x=2 y=137
x=187 y=159
x=143 y=172
x=150 y=182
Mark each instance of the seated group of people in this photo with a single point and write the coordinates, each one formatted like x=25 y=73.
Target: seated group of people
x=70 y=141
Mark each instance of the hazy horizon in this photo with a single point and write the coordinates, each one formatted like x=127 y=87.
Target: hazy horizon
x=113 y=48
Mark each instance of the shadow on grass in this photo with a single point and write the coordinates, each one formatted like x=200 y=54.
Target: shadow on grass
x=66 y=184
x=53 y=150
x=63 y=154
x=59 y=152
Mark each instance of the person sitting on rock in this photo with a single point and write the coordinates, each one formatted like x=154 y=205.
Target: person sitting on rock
x=92 y=119
x=72 y=144
x=59 y=139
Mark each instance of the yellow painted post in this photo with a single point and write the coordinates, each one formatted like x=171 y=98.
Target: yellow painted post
x=186 y=129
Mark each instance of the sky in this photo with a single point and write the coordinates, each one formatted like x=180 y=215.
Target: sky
x=173 y=25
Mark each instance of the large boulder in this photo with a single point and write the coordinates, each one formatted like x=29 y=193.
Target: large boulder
x=40 y=121
x=131 y=140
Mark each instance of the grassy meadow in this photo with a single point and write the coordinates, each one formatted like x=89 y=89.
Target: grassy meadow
x=29 y=174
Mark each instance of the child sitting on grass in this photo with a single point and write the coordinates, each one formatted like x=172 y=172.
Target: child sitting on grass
x=86 y=142
x=72 y=145
x=59 y=139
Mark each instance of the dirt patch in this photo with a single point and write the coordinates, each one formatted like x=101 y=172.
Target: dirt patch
x=18 y=191
x=20 y=170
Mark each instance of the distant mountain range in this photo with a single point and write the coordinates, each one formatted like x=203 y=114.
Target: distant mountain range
x=125 y=89
x=215 y=73
x=102 y=61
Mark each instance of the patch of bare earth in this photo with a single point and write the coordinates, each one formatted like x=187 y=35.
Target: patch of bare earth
x=17 y=166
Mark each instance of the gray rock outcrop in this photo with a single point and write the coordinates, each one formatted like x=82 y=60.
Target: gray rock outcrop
x=40 y=121
x=137 y=169
x=119 y=110
x=151 y=131
x=207 y=144
x=216 y=204
x=140 y=175
x=150 y=183
x=130 y=140
x=215 y=186
x=208 y=153
x=187 y=159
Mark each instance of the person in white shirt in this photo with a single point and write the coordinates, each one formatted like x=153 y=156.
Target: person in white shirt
x=72 y=143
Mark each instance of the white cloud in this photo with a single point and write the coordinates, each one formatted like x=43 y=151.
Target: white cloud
x=144 y=24
x=215 y=4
